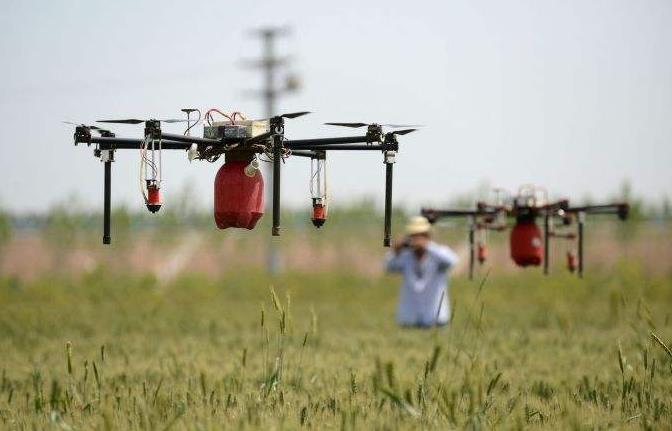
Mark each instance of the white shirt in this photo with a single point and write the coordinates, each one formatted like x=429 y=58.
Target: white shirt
x=425 y=281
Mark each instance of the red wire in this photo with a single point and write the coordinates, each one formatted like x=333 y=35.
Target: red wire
x=238 y=114
x=208 y=116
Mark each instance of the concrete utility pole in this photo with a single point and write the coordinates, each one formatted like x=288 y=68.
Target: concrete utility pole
x=270 y=65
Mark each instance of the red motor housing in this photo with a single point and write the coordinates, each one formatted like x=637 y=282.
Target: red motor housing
x=526 y=244
x=319 y=213
x=482 y=253
x=571 y=261
x=239 y=198
x=153 y=197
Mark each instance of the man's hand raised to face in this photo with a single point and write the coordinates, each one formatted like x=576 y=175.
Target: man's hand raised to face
x=419 y=242
x=399 y=244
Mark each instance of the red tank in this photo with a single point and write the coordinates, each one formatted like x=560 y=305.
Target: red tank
x=239 y=198
x=482 y=253
x=526 y=244
x=571 y=261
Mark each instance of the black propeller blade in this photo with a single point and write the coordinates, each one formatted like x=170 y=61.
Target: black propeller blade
x=353 y=125
x=96 y=128
x=294 y=114
x=289 y=115
x=356 y=125
x=402 y=132
x=138 y=121
x=82 y=125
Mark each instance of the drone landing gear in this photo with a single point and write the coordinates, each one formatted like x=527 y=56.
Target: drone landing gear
x=389 y=165
x=278 y=131
x=472 y=249
x=581 y=218
x=107 y=157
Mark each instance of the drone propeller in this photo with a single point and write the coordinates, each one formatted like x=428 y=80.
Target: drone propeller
x=357 y=125
x=294 y=114
x=138 y=121
x=394 y=126
x=353 y=125
x=96 y=128
x=402 y=132
x=288 y=115
x=82 y=125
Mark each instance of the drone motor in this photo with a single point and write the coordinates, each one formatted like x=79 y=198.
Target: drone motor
x=571 y=261
x=153 y=200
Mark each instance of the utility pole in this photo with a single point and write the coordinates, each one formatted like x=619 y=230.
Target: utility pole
x=270 y=64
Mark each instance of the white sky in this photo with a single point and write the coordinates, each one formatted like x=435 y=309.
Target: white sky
x=574 y=95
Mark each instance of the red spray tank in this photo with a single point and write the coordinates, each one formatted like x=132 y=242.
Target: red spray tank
x=526 y=243
x=239 y=194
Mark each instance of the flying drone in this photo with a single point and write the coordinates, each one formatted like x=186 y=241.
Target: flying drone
x=239 y=185
x=528 y=245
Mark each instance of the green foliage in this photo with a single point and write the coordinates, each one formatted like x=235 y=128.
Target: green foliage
x=120 y=222
x=5 y=227
x=114 y=351
x=64 y=222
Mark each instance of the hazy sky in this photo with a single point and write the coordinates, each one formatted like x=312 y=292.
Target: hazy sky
x=574 y=95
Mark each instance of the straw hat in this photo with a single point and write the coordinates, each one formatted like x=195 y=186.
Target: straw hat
x=417 y=225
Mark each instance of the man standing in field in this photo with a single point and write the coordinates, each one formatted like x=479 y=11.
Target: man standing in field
x=424 y=265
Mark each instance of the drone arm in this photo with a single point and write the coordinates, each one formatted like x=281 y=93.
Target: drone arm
x=620 y=209
x=341 y=147
x=308 y=154
x=189 y=139
x=305 y=143
x=433 y=214
x=134 y=144
x=562 y=204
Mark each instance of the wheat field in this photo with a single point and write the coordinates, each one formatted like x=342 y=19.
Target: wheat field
x=106 y=350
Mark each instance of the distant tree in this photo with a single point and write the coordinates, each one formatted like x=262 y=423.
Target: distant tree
x=64 y=221
x=121 y=224
x=629 y=228
x=5 y=227
x=636 y=204
x=666 y=208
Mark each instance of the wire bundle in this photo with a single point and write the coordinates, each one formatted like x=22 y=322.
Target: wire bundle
x=149 y=162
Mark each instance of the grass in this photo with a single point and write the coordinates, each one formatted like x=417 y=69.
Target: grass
x=321 y=351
